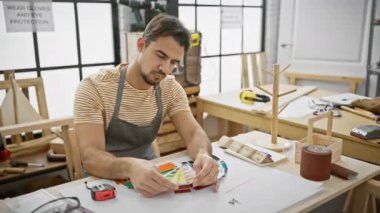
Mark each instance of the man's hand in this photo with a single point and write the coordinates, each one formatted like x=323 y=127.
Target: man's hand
x=147 y=179
x=206 y=171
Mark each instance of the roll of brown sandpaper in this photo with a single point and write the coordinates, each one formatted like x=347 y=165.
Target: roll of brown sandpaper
x=315 y=162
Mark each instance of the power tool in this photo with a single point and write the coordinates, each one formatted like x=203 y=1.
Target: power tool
x=151 y=7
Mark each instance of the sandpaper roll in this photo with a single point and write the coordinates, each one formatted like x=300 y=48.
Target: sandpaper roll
x=315 y=162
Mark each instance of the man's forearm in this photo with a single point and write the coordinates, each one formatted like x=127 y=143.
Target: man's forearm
x=105 y=165
x=199 y=143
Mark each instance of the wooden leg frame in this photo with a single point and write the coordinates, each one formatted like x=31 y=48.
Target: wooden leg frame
x=363 y=197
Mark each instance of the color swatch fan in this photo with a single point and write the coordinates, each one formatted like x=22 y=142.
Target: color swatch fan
x=181 y=174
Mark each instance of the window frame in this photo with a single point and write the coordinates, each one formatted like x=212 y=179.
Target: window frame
x=221 y=55
x=116 y=42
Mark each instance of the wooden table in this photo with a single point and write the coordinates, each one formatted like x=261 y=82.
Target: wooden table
x=331 y=188
x=227 y=106
x=37 y=157
x=30 y=171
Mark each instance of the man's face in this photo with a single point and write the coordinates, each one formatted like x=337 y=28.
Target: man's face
x=159 y=58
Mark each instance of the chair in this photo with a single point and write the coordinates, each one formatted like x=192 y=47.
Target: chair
x=373 y=193
x=363 y=198
x=353 y=82
x=73 y=158
x=255 y=78
x=259 y=66
x=16 y=109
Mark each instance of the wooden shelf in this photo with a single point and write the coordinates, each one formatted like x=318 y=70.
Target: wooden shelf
x=168 y=139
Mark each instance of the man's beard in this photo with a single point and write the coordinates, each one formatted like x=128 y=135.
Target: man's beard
x=151 y=81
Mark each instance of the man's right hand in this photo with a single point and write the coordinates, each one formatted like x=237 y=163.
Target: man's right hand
x=147 y=179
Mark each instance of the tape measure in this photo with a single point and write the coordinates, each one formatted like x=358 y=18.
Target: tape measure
x=195 y=39
x=102 y=192
x=250 y=97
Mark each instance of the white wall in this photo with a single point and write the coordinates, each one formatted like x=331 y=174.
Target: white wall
x=340 y=34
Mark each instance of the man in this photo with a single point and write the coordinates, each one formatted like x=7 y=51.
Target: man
x=118 y=113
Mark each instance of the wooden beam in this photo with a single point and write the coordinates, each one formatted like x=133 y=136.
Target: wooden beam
x=30 y=126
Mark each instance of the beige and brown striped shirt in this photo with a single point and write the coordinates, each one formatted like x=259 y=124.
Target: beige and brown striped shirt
x=96 y=96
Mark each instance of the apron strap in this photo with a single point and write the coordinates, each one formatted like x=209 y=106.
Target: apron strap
x=119 y=94
x=157 y=91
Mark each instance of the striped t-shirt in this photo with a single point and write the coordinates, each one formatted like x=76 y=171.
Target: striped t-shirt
x=96 y=96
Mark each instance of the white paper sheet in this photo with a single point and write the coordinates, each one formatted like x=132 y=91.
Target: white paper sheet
x=30 y=202
x=257 y=189
x=298 y=108
x=343 y=99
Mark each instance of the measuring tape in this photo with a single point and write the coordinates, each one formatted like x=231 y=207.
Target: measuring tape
x=250 y=97
x=102 y=192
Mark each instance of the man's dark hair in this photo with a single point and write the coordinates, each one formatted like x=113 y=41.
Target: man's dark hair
x=164 y=25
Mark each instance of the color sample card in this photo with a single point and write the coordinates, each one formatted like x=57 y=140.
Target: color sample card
x=181 y=174
x=166 y=167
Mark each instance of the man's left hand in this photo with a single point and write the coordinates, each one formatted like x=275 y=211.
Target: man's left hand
x=206 y=171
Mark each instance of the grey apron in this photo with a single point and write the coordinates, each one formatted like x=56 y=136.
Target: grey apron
x=125 y=139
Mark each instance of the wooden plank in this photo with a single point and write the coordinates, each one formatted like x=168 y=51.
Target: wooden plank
x=255 y=71
x=22 y=83
x=170 y=148
x=263 y=67
x=166 y=128
x=353 y=82
x=192 y=90
x=373 y=186
x=274 y=121
x=318 y=77
x=168 y=138
x=194 y=110
x=42 y=124
x=193 y=99
x=170 y=142
x=244 y=71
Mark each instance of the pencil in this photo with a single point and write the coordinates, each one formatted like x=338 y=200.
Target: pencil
x=360 y=112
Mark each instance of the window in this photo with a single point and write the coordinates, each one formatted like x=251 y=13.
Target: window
x=222 y=46
x=85 y=39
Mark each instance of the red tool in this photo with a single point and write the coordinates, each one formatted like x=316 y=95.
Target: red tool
x=102 y=192
x=5 y=154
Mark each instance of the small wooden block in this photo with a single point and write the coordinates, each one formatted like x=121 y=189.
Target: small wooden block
x=225 y=142
x=57 y=146
x=333 y=143
x=261 y=157
x=235 y=146
x=246 y=151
